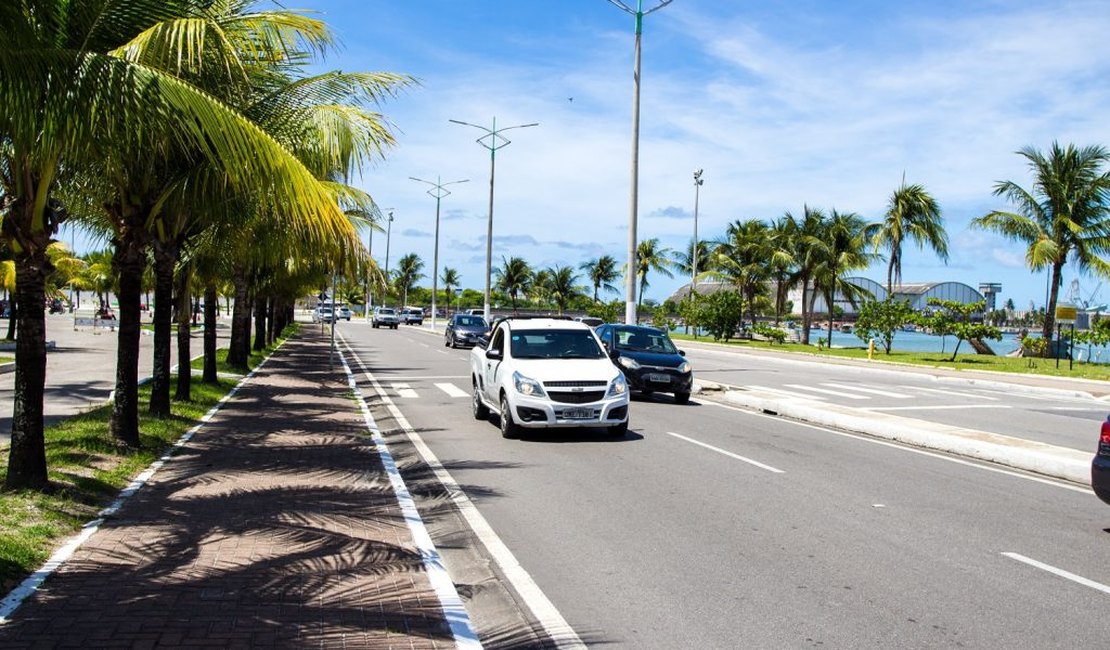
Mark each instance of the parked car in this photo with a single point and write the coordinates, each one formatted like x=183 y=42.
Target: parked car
x=344 y=312
x=1100 y=466
x=412 y=316
x=323 y=315
x=477 y=312
x=464 y=329
x=547 y=373
x=385 y=317
x=592 y=321
x=649 y=360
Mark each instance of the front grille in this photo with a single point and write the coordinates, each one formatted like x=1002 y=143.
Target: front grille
x=574 y=384
x=576 y=398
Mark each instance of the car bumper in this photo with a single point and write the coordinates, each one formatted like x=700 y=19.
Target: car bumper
x=461 y=338
x=536 y=413
x=1100 y=477
x=663 y=380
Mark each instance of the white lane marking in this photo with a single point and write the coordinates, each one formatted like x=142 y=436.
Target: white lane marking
x=954 y=393
x=784 y=393
x=452 y=390
x=449 y=600
x=873 y=391
x=937 y=407
x=838 y=393
x=727 y=453
x=912 y=450
x=1060 y=572
x=403 y=390
x=422 y=377
x=543 y=610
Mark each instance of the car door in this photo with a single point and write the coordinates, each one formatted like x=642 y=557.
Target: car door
x=493 y=365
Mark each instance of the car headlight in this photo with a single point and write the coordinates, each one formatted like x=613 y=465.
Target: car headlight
x=618 y=387
x=526 y=386
x=685 y=367
x=628 y=362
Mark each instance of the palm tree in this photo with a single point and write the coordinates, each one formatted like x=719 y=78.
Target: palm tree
x=912 y=214
x=782 y=261
x=1066 y=213
x=408 y=274
x=844 y=251
x=602 y=273
x=651 y=256
x=540 y=288
x=684 y=260
x=562 y=286
x=514 y=277
x=449 y=278
x=741 y=258
x=806 y=241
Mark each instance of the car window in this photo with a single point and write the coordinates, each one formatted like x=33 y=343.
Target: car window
x=554 y=344
x=470 y=321
x=645 y=341
x=498 y=342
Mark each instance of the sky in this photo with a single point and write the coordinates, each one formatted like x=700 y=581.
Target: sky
x=783 y=104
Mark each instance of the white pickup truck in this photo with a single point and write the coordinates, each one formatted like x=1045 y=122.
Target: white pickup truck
x=539 y=373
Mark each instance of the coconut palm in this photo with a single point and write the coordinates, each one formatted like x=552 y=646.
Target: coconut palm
x=912 y=215
x=514 y=277
x=684 y=260
x=652 y=256
x=449 y=278
x=1065 y=214
x=844 y=251
x=602 y=273
x=407 y=274
x=806 y=242
x=540 y=288
x=781 y=261
x=741 y=258
x=562 y=286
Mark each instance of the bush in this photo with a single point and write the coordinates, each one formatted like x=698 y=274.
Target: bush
x=772 y=334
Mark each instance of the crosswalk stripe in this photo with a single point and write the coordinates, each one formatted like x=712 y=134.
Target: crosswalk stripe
x=827 y=392
x=783 y=393
x=954 y=393
x=403 y=390
x=873 y=391
x=452 y=390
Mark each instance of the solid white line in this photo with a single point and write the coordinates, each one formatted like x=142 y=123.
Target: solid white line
x=1060 y=572
x=954 y=393
x=912 y=450
x=423 y=377
x=784 y=393
x=727 y=453
x=16 y=596
x=827 y=392
x=403 y=390
x=449 y=600
x=553 y=623
x=874 y=391
x=937 y=407
x=452 y=390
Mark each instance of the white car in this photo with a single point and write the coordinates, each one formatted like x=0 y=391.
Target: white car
x=343 y=312
x=322 y=315
x=538 y=373
x=385 y=317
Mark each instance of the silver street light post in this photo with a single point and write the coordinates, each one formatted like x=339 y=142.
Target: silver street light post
x=630 y=279
x=437 y=192
x=370 y=254
x=492 y=140
x=388 y=232
x=694 y=264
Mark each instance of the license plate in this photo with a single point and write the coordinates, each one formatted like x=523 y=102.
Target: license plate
x=578 y=414
x=659 y=378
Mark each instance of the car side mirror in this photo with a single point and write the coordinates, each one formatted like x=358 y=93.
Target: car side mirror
x=493 y=354
x=682 y=352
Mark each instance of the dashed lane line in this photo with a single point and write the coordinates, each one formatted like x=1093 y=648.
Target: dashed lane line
x=738 y=457
x=452 y=390
x=1098 y=586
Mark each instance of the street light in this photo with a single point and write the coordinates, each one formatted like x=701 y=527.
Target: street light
x=388 y=231
x=694 y=264
x=496 y=141
x=437 y=192
x=630 y=279
x=370 y=254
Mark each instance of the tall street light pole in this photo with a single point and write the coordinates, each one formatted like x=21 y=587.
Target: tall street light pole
x=370 y=254
x=492 y=140
x=437 y=192
x=630 y=276
x=388 y=232
x=694 y=264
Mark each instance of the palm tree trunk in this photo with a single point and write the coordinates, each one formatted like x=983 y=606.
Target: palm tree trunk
x=272 y=311
x=27 y=455
x=828 y=305
x=805 y=311
x=184 y=391
x=128 y=261
x=165 y=258
x=238 y=352
x=1050 y=308
x=211 y=305
x=260 y=303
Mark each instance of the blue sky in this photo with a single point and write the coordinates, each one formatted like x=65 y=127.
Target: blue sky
x=782 y=104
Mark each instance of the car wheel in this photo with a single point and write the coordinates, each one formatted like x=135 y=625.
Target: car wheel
x=509 y=429
x=619 y=430
x=480 y=410
x=446 y=342
x=681 y=398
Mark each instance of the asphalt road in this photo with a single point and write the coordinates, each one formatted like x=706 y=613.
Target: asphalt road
x=712 y=527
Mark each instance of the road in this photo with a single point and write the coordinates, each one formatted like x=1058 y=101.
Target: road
x=709 y=526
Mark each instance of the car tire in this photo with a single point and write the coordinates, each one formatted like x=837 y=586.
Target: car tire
x=509 y=429
x=619 y=430
x=394 y=327
x=446 y=342
x=479 y=410
x=681 y=398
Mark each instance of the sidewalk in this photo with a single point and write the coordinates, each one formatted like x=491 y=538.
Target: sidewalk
x=275 y=525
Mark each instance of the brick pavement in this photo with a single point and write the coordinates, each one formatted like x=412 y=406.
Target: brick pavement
x=274 y=526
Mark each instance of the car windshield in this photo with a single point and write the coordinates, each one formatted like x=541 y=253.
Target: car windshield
x=470 y=321
x=554 y=344
x=640 y=340
x=385 y=311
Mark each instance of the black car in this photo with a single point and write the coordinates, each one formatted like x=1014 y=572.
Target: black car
x=1100 y=466
x=464 y=329
x=649 y=360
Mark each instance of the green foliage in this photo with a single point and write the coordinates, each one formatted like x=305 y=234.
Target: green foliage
x=1099 y=334
x=720 y=313
x=882 y=319
x=955 y=318
x=607 y=311
x=772 y=334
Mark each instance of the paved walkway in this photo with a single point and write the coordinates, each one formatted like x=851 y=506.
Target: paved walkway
x=275 y=526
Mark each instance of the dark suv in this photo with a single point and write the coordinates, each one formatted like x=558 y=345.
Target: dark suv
x=649 y=360
x=464 y=329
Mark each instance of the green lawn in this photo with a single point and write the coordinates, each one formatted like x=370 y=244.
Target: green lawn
x=87 y=470
x=964 y=361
